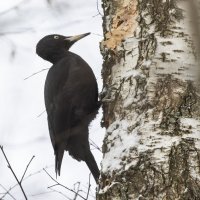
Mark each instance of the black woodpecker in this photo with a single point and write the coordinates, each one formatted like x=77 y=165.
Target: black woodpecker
x=71 y=100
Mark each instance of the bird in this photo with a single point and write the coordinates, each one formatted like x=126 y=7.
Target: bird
x=71 y=100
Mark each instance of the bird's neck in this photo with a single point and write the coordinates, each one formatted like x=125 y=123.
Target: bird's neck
x=57 y=56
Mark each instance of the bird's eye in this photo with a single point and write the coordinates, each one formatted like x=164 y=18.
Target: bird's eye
x=56 y=37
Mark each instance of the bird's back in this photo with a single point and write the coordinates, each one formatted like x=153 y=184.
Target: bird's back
x=71 y=81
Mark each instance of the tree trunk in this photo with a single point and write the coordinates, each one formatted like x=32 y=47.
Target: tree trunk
x=151 y=102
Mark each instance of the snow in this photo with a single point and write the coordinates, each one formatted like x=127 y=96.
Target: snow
x=22 y=132
x=193 y=125
x=119 y=144
x=107 y=187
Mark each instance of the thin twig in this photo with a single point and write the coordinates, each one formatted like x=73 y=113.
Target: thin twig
x=85 y=192
x=26 y=169
x=92 y=143
x=8 y=192
x=60 y=193
x=97 y=34
x=77 y=191
x=27 y=177
x=63 y=185
x=52 y=185
x=41 y=193
x=41 y=113
x=51 y=191
x=36 y=73
x=89 y=185
x=9 y=166
x=99 y=13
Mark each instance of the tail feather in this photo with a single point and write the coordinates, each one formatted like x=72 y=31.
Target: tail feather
x=78 y=147
x=92 y=165
x=58 y=160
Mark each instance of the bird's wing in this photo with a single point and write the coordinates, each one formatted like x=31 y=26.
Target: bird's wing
x=58 y=117
x=64 y=111
x=58 y=112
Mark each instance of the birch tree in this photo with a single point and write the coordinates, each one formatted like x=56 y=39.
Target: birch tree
x=150 y=101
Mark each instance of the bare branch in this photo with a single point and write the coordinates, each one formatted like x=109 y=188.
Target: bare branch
x=92 y=143
x=53 y=185
x=35 y=73
x=51 y=191
x=99 y=13
x=30 y=175
x=41 y=193
x=7 y=191
x=89 y=185
x=62 y=185
x=26 y=169
x=60 y=193
x=85 y=192
x=97 y=34
x=41 y=113
x=9 y=166
x=77 y=191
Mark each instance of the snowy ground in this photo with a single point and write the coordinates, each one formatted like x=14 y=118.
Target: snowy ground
x=22 y=133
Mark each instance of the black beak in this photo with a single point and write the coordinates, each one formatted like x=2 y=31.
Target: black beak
x=76 y=37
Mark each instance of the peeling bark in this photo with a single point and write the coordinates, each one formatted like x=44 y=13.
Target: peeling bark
x=151 y=102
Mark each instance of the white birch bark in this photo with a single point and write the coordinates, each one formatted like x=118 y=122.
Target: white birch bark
x=151 y=102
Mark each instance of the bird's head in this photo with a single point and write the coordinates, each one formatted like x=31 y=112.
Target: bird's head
x=52 y=46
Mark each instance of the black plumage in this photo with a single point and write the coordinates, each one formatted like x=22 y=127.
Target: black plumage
x=71 y=100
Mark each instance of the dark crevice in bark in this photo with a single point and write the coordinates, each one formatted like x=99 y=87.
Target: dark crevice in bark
x=173 y=105
x=182 y=184
x=160 y=15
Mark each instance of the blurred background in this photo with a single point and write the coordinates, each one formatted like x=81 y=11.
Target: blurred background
x=23 y=123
